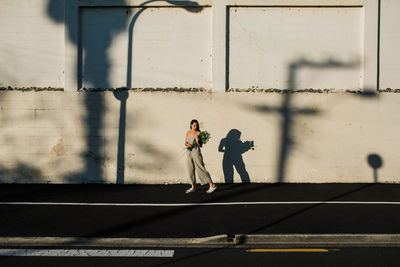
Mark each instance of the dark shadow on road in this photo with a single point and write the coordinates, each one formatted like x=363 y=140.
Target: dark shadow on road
x=233 y=148
x=303 y=210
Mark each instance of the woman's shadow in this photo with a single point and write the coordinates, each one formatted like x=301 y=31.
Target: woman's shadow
x=233 y=148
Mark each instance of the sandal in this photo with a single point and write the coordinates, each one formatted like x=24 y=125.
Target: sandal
x=211 y=189
x=190 y=190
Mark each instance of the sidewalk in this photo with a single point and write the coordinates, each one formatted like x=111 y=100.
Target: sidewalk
x=234 y=214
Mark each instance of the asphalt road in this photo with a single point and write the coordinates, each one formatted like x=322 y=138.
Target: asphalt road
x=47 y=213
x=228 y=257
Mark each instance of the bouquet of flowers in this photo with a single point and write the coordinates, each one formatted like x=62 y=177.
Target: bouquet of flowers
x=204 y=136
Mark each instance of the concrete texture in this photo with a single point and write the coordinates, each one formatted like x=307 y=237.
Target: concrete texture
x=261 y=57
x=32 y=45
x=390 y=41
x=321 y=134
x=67 y=137
x=202 y=44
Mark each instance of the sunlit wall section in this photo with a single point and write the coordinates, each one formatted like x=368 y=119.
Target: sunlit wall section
x=390 y=43
x=31 y=46
x=295 y=47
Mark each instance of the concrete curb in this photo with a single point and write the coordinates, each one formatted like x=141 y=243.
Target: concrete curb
x=290 y=240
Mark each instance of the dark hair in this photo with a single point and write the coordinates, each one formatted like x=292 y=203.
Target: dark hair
x=198 y=125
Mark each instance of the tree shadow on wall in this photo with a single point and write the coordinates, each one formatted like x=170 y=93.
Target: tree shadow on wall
x=233 y=148
x=93 y=68
x=93 y=42
x=21 y=174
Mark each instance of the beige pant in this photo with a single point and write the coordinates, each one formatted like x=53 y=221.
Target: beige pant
x=195 y=164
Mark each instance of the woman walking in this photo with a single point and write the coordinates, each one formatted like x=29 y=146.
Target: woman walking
x=195 y=162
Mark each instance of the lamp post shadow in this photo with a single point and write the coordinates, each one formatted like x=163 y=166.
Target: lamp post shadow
x=93 y=71
x=189 y=6
x=289 y=114
x=121 y=96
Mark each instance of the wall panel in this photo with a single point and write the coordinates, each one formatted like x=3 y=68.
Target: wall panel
x=295 y=47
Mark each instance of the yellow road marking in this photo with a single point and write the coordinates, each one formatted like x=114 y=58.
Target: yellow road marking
x=290 y=250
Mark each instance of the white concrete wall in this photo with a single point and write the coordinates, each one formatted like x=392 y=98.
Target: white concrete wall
x=46 y=43
x=45 y=136
x=171 y=47
x=266 y=41
x=74 y=137
x=390 y=43
x=31 y=44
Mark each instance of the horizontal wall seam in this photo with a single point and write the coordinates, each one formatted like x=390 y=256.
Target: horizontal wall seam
x=202 y=90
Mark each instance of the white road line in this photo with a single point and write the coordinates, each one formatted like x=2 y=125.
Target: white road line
x=86 y=253
x=203 y=204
